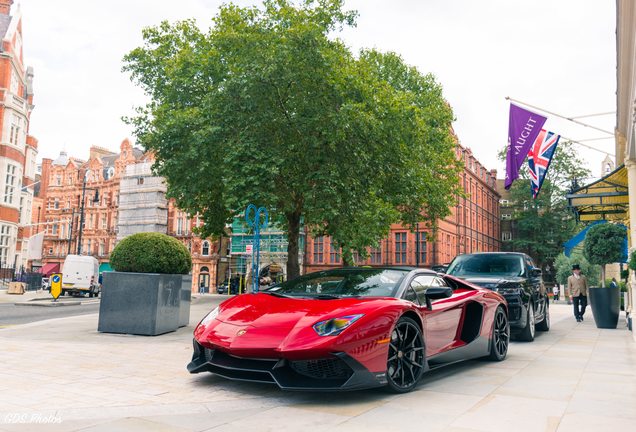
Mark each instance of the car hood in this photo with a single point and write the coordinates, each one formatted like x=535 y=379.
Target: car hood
x=494 y=281
x=262 y=324
x=264 y=310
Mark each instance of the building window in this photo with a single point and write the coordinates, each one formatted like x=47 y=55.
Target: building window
x=10 y=183
x=506 y=236
x=102 y=248
x=400 y=248
x=88 y=247
x=104 y=221
x=5 y=241
x=140 y=180
x=421 y=238
x=179 y=226
x=56 y=204
x=334 y=254
x=376 y=255
x=506 y=216
x=205 y=248
x=504 y=202
x=54 y=231
x=319 y=248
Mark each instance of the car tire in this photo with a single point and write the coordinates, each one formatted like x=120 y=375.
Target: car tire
x=500 y=338
x=527 y=333
x=406 y=358
x=544 y=325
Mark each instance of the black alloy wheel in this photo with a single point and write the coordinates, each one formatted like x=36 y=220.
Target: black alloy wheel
x=500 y=335
x=406 y=360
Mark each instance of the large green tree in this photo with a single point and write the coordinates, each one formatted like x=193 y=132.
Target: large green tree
x=267 y=107
x=545 y=223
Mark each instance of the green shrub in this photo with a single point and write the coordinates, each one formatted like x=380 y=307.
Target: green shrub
x=151 y=253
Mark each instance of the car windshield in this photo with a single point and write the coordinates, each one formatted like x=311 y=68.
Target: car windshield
x=486 y=265
x=363 y=282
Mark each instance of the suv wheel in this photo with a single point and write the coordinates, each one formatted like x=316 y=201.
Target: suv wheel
x=545 y=324
x=527 y=334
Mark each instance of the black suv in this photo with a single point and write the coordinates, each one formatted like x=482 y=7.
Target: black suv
x=514 y=276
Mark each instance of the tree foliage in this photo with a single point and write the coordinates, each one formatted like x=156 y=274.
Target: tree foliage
x=267 y=107
x=563 y=266
x=545 y=223
x=604 y=245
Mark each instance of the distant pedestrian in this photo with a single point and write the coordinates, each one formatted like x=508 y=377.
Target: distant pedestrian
x=555 y=291
x=577 y=290
x=202 y=288
x=613 y=283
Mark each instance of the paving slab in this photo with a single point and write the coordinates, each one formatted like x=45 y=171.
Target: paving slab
x=574 y=377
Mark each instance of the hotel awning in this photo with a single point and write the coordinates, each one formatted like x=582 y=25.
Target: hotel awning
x=105 y=267
x=604 y=199
x=50 y=268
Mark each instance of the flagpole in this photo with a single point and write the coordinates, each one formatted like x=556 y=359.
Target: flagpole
x=572 y=119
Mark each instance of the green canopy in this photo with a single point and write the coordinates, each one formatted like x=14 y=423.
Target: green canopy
x=105 y=267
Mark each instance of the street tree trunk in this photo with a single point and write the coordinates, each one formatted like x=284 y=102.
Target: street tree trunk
x=293 y=234
x=603 y=276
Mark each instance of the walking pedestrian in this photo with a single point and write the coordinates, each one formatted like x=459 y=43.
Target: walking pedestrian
x=555 y=291
x=577 y=290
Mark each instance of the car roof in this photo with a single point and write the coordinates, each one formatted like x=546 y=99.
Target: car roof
x=495 y=253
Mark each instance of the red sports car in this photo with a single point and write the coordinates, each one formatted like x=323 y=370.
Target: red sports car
x=352 y=328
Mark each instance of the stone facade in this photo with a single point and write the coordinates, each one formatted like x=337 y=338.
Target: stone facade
x=18 y=150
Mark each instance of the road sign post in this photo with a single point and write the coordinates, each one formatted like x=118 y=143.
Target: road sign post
x=56 y=285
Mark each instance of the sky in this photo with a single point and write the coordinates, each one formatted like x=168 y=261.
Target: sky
x=559 y=56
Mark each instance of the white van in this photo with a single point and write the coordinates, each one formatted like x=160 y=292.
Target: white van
x=80 y=275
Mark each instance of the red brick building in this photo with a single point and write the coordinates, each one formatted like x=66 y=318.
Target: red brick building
x=18 y=150
x=472 y=226
x=58 y=208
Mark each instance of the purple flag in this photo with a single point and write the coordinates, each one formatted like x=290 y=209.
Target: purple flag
x=523 y=129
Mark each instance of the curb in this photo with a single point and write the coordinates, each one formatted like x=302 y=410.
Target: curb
x=51 y=304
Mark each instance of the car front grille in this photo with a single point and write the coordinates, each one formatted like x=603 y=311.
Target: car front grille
x=322 y=368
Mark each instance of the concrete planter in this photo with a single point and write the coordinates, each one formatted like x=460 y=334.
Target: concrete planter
x=184 y=304
x=605 y=306
x=143 y=303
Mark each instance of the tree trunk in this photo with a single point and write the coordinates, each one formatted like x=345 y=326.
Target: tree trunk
x=293 y=234
x=603 y=276
x=347 y=257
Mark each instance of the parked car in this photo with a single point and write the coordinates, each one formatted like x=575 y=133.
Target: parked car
x=80 y=276
x=351 y=328
x=515 y=276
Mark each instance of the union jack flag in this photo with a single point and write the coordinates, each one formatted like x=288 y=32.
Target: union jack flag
x=540 y=157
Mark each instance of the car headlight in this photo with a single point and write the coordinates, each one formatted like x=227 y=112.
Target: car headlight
x=209 y=317
x=335 y=326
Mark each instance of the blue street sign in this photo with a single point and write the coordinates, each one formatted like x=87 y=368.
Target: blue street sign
x=257 y=219
x=56 y=278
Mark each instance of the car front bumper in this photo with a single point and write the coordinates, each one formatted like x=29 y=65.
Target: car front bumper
x=517 y=311
x=339 y=372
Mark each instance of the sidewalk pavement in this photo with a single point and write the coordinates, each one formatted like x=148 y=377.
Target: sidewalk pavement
x=62 y=375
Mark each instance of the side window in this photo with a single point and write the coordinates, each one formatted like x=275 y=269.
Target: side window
x=410 y=295
x=420 y=284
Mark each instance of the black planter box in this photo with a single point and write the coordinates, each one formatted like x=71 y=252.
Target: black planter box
x=141 y=303
x=605 y=304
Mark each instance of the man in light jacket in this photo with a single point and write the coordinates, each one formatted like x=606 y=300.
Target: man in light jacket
x=577 y=290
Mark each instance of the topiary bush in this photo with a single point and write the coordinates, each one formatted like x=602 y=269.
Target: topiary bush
x=151 y=253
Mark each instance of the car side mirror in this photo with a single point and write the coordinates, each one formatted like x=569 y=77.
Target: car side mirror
x=434 y=293
x=535 y=272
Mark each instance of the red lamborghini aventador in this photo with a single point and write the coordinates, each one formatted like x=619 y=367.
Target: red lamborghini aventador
x=352 y=328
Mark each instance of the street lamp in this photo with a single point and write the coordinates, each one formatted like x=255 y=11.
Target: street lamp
x=81 y=224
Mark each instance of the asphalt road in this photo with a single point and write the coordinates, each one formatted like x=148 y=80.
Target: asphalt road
x=11 y=315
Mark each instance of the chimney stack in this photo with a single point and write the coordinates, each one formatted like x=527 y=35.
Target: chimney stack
x=5 y=7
